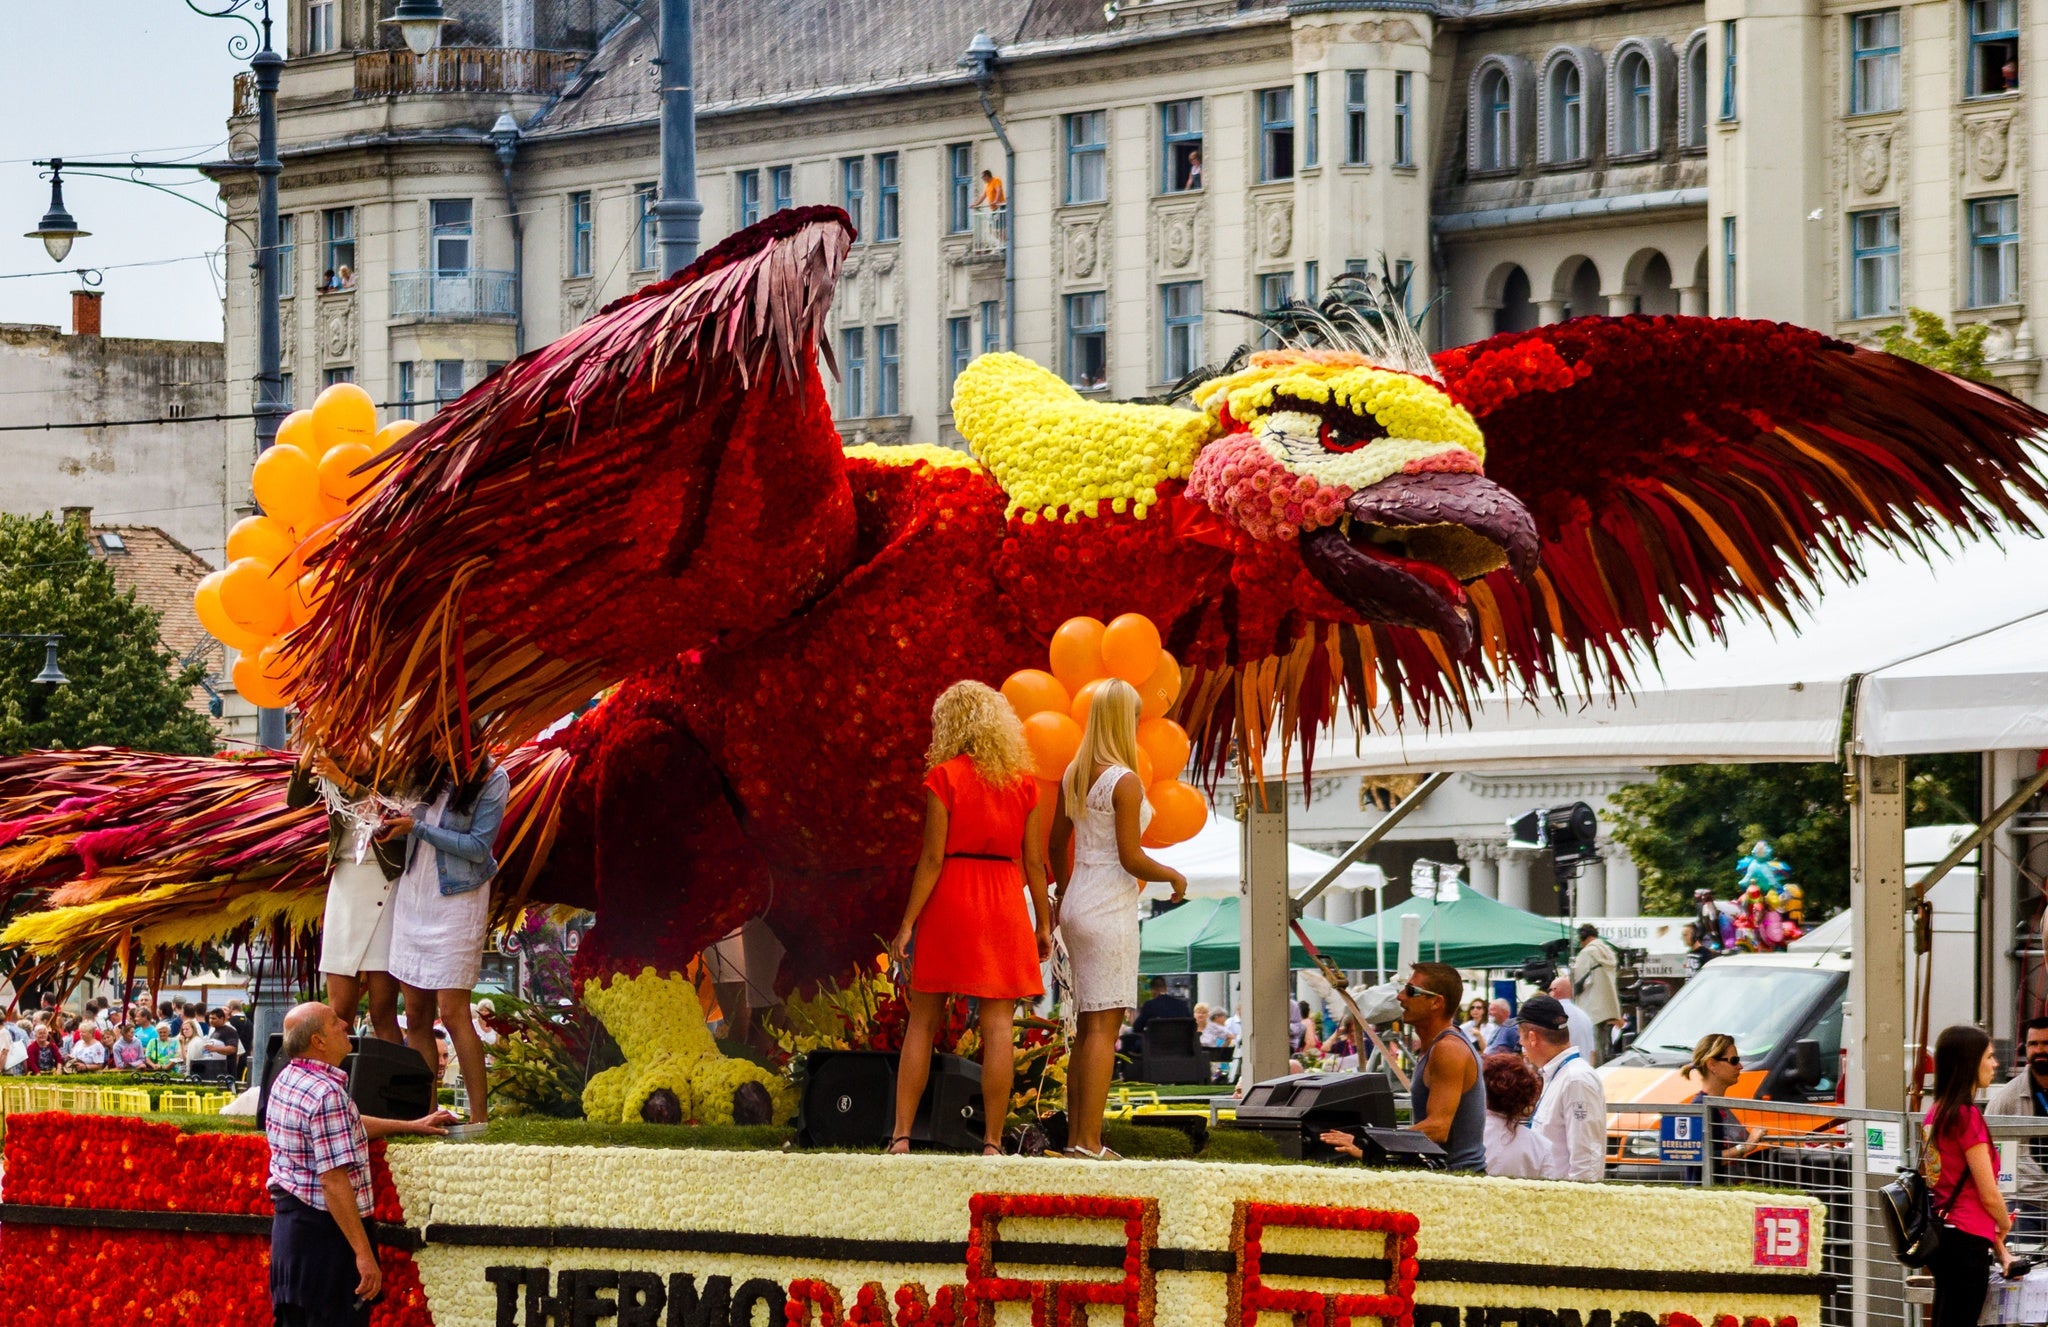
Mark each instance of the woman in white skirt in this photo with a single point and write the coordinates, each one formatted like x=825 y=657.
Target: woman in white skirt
x=444 y=908
x=1102 y=810
x=355 y=931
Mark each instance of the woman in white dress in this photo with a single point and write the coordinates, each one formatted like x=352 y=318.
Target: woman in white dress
x=1102 y=810
x=355 y=932
x=444 y=908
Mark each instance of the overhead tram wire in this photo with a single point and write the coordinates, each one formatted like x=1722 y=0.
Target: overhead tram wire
x=178 y=419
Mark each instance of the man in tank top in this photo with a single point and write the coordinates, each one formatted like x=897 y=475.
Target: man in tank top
x=1449 y=1093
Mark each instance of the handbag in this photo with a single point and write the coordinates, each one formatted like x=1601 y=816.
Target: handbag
x=1911 y=1218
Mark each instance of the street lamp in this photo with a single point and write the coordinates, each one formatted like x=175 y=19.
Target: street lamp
x=420 y=23
x=52 y=675
x=57 y=229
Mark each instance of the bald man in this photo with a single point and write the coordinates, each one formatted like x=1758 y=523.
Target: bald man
x=323 y=1268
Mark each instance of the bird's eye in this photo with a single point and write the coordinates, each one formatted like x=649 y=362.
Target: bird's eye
x=1349 y=434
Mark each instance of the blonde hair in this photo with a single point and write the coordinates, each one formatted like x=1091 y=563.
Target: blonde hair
x=1710 y=1047
x=1111 y=738
x=973 y=719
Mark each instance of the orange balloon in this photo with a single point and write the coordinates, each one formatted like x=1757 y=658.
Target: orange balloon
x=338 y=482
x=296 y=430
x=391 y=433
x=342 y=413
x=212 y=616
x=1167 y=743
x=1157 y=693
x=307 y=593
x=1076 y=652
x=288 y=486
x=1178 y=812
x=1054 y=738
x=1130 y=648
x=1084 y=700
x=253 y=598
x=1144 y=770
x=279 y=669
x=1033 y=691
x=262 y=538
x=254 y=686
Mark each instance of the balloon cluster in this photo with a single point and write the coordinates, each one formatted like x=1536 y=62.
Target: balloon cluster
x=311 y=476
x=1054 y=708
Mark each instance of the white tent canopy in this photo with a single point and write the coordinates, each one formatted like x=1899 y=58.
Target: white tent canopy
x=1210 y=862
x=1952 y=653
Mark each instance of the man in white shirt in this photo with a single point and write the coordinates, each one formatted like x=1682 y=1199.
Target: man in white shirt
x=1581 y=1025
x=1572 y=1116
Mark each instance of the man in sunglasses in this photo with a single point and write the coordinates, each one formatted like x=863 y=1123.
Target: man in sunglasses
x=1449 y=1095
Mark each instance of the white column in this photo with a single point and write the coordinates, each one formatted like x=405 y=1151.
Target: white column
x=1877 y=894
x=1592 y=891
x=1341 y=906
x=1619 y=305
x=1692 y=300
x=1514 y=877
x=1481 y=858
x=1624 y=882
x=1213 y=989
x=1262 y=931
x=1550 y=311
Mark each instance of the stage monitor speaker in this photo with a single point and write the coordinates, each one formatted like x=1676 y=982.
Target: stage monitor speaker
x=1400 y=1147
x=1293 y=1111
x=850 y=1101
x=385 y=1079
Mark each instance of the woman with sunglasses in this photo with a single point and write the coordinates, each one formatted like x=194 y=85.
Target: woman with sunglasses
x=1718 y=1066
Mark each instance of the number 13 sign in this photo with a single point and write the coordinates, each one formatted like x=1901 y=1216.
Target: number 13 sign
x=1781 y=1236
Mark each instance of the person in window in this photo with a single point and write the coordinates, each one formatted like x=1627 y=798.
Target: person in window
x=345 y=278
x=991 y=195
x=327 y=281
x=1962 y=1176
x=2009 y=74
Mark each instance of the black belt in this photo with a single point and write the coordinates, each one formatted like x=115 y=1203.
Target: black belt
x=982 y=856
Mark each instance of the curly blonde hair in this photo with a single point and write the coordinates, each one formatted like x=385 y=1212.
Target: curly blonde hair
x=972 y=718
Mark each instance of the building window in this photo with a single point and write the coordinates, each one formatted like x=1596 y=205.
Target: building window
x=888 y=202
x=991 y=326
x=1312 y=120
x=960 y=194
x=1994 y=47
x=1088 y=339
x=1276 y=134
x=1088 y=157
x=333 y=376
x=408 y=389
x=1276 y=292
x=853 y=389
x=1496 y=121
x=1404 y=119
x=287 y=256
x=1874 y=62
x=579 y=234
x=1180 y=134
x=646 y=245
x=284 y=388
x=1311 y=279
x=321 y=33
x=1181 y=309
x=1728 y=267
x=1404 y=279
x=1355 y=153
x=452 y=221
x=888 y=371
x=1692 y=106
x=1565 y=96
x=853 y=191
x=447 y=382
x=1728 y=70
x=782 y=187
x=959 y=346
x=746 y=198
x=1635 y=111
x=1994 y=251
x=340 y=258
x=1874 y=263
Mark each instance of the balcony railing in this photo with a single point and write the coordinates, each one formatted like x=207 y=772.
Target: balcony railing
x=461 y=69
x=475 y=295
x=989 y=231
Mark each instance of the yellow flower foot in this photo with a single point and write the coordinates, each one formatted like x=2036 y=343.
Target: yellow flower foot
x=673 y=1070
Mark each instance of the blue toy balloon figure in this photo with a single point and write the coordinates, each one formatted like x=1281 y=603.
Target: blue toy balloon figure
x=1770 y=906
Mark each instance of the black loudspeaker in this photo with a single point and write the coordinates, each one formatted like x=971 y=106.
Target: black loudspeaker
x=1170 y=1051
x=1293 y=1111
x=850 y=1101
x=385 y=1079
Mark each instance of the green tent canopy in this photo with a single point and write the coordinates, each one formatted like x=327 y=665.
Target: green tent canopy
x=1201 y=936
x=1474 y=932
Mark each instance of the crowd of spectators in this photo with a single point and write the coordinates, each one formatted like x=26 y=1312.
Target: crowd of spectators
x=176 y=1035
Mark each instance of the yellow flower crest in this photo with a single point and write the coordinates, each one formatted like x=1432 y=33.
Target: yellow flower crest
x=1059 y=455
x=1411 y=409
x=945 y=458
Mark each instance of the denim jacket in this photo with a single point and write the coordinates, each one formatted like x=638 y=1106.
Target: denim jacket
x=463 y=843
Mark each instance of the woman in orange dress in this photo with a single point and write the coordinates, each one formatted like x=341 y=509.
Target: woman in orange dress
x=966 y=930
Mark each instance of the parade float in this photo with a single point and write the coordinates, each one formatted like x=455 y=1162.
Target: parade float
x=656 y=511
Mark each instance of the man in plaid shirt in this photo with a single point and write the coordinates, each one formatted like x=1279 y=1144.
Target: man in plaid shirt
x=323 y=1268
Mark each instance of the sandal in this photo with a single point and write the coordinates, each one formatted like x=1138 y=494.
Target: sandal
x=902 y=1138
x=992 y=1150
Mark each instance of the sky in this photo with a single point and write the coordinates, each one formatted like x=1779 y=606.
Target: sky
x=106 y=80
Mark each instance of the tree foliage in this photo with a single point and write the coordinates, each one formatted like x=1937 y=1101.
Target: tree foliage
x=125 y=689
x=1687 y=826
x=1930 y=342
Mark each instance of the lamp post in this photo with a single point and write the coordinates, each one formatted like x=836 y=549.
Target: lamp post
x=677 y=210
x=52 y=675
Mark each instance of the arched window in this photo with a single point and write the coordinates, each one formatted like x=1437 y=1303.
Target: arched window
x=1635 y=108
x=1496 y=131
x=1692 y=106
x=1567 y=112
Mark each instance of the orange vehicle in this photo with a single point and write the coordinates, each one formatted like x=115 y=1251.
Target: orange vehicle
x=1784 y=1011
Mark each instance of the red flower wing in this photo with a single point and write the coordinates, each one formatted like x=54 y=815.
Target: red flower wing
x=1678 y=466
